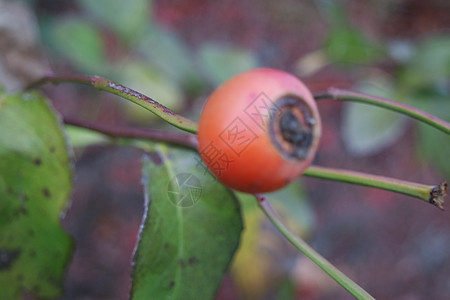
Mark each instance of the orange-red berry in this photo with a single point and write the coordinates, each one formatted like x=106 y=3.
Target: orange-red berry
x=259 y=130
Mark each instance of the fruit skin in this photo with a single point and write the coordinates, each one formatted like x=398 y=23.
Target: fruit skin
x=234 y=135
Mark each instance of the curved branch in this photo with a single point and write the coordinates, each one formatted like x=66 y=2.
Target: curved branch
x=112 y=87
x=180 y=139
x=345 y=95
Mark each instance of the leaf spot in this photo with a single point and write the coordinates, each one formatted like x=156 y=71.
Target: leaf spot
x=7 y=257
x=181 y=263
x=23 y=198
x=37 y=161
x=10 y=190
x=192 y=260
x=171 y=284
x=46 y=192
x=21 y=211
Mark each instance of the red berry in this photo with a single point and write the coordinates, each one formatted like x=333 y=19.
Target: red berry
x=259 y=130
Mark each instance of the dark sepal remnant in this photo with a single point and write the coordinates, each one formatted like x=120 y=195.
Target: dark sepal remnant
x=291 y=127
x=437 y=195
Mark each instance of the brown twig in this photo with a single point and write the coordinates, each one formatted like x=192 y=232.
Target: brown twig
x=180 y=139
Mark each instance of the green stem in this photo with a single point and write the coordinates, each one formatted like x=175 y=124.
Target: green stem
x=309 y=252
x=429 y=193
x=126 y=93
x=433 y=194
x=345 y=95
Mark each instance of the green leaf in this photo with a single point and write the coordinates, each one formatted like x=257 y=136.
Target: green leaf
x=222 y=62
x=430 y=65
x=345 y=43
x=191 y=230
x=349 y=45
x=366 y=129
x=127 y=18
x=80 y=42
x=35 y=184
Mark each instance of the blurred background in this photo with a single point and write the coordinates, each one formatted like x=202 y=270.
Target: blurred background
x=179 y=51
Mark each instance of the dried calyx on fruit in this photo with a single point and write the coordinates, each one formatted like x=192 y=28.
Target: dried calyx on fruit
x=259 y=130
x=291 y=127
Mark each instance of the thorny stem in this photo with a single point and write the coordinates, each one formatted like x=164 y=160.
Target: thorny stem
x=312 y=254
x=126 y=93
x=345 y=95
x=433 y=194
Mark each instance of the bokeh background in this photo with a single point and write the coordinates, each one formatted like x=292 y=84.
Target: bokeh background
x=177 y=52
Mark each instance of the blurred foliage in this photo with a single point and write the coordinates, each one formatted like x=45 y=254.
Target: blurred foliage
x=428 y=66
x=149 y=57
x=221 y=62
x=425 y=78
x=149 y=81
x=265 y=257
x=367 y=129
x=21 y=60
x=345 y=43
x=433 y=146
x=166 y=50
x=126 y=18
x=421 y=79
x=349 y=45
x=80 y=43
